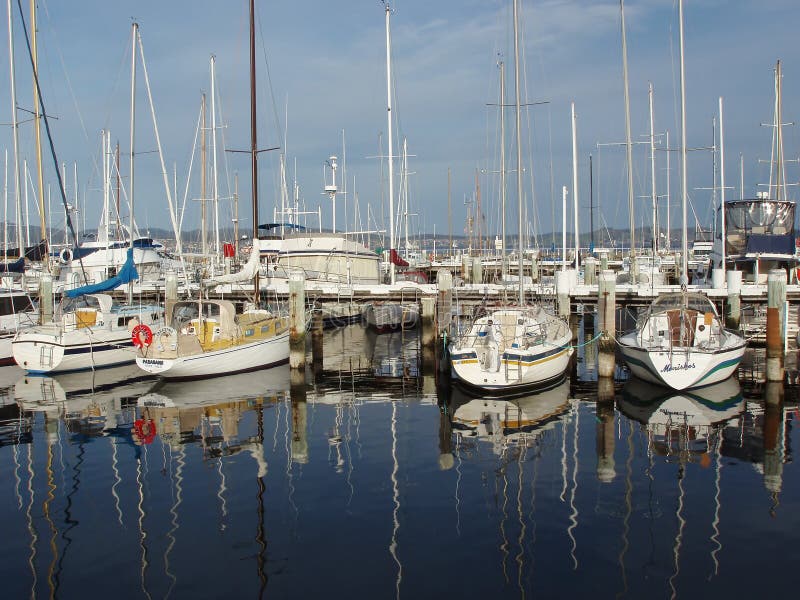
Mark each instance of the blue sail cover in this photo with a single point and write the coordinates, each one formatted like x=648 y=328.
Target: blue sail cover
x=126 y=274
x=17 y=266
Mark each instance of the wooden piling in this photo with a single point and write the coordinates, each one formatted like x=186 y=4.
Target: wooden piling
x=170 y=292
x=733 y=313
x=428 y=318
x=773 y=434
x=316 y=340
x=776 y=301
x=444 y=301
x=45 y=298
x=477 y=271
x=590 y=271
x=606 y=311
x=299 y=447
x=562 y=292
x=297 y=322
x=605 y=433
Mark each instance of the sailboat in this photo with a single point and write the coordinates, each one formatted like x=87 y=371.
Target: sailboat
x=680 y=342
x=208 y=338
x=512 y=349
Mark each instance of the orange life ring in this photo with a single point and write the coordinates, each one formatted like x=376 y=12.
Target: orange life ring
x=142 y=335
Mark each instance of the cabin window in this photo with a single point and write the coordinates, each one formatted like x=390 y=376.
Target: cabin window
x=122 y=321
x=265 y=329
x=249 y=332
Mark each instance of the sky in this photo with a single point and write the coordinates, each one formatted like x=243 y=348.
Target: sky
x=321 y=71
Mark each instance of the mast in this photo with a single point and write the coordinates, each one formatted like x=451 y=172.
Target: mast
x=780 y=194
x=591 y=205
x=684 y=182
x=37 y=127
x=389 y=120
x=722 y=185
x=518 y=128
x=119 y=190
x=503 y=266
x=575 y=183
x=253 y=136
x=215 y=185
x=135 y=29
x=628 y=145
x=203 y=163
x=653 y=197
x=15 y=131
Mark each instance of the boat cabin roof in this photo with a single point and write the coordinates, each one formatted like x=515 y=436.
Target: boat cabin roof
x=680 y=301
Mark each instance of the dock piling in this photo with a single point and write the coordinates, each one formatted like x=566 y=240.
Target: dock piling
x=562 y=291
x=606 y=434
x=297 y=322
x=316 y=340
x=734 y=308
x=590 y=271
x=45 y=298
x=776 y=301
x=606 y=311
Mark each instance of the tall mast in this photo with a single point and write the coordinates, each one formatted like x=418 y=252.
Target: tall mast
x=628 y=145
x=503 y=266
x=215 y=188
x=135 y=30
x=780 y=181
x=591 y=205
x=684 y=182
x=37 y=127
x=575 y=183
x=253 y=137
x=653 y=197
x=119 y=191
x=15 y=132
x=723 y=233
x=518 y=128
x=389 y=120
x=203 y=170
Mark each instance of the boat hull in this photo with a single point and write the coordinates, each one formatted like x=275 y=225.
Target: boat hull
x=680 y=369
x=227 y=361
x=518 y=374
x=39 y=352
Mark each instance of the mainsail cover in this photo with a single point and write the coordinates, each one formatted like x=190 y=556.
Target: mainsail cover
x=247 y=273
x=126 y=274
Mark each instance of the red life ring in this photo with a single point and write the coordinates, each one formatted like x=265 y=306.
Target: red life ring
x=144 y=430
x=141 y=335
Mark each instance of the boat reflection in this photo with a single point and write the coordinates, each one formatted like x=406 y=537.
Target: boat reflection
x=682 y=420
x=504 y=423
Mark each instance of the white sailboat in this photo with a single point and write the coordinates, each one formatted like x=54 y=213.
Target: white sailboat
x=680 y=342
x=513 y=349
x=89 y=332
x=17 y=312
x=209 y=338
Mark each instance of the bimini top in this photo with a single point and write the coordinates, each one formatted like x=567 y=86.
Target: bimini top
x=682 y=300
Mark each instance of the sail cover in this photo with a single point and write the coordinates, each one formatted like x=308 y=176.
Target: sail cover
x=126 y=274
x=18 y=266
x=247 y=273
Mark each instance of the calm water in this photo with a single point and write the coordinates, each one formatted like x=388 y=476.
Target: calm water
x=374 y=486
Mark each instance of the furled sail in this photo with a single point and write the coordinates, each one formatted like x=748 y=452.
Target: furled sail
x=126 y=274
x=247 y=273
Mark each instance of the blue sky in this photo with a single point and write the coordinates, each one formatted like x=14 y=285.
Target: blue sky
x=327 y=73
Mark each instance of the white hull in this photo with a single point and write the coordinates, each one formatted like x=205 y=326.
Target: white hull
x=235 y=359
x=680 y=369
x=511 y=351
x=45 y=349
x=95 y=335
